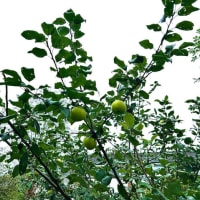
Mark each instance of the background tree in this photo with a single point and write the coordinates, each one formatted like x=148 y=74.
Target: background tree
x=139 y=149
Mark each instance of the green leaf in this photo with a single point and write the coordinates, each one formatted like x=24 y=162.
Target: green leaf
x=188 y=140
x=113 y=80
x=65 y=111
x=122 y=191
x=76 y=178
x=173 y=37
x=2 y=158
x=78 y=19
x=129 y=120
x=185 y=25
x=63 y=30
x=186 y=44
x=156 y=68
x=47 y=28
x=58 y=41
x=15 y=171
x=101 y=188
x=154 y=27
x=23 y=163
x=106 y=180
x=146 y=44
x=12 y=78
x=160 y=57
x=28 y=73
x=6 y=119
x=180 y=52
x=138 y=59
x=169 y=8
x=120 y=63
x=36 y=125
x=186 y=10
x=12 y=73
x=144 y=94
x=69 y=15
x=78 y=34
x=44 y=146
x=59 y=21
x=100 y=174
x=38 y=52
x=149 y=169
x=35 y=149
x=187 y=2
x=163 y=161
x=172 y=188
x=133 y=140
x=33 y=35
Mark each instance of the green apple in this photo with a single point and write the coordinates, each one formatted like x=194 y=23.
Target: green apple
x=78 y=114
x=89 y=143
x=118 y=107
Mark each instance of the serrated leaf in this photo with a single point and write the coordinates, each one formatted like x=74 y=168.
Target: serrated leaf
x=33 y=35
x=146 y=44
x=38 y=52
x=28 y=73
x=185 y=25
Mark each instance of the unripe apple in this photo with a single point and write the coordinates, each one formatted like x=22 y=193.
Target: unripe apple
x=118 y=107
x=89 y=143
x=78 y=114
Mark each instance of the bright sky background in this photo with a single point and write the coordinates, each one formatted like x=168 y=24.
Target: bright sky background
x=113 y=28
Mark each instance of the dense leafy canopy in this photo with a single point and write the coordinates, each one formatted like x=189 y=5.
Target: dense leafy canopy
x=139 y=153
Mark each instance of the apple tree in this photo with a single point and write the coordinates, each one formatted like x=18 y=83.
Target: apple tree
x=122 y=148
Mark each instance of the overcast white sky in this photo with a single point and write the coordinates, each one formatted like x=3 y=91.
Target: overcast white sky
x=113 y=28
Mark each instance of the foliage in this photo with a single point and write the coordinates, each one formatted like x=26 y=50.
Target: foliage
x=143 y=152
x=9 y=188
